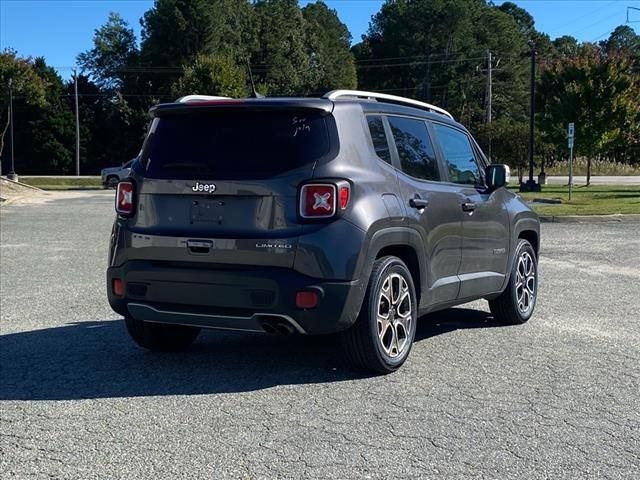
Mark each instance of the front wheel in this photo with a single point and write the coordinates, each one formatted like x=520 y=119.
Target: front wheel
x=381 y=338
x=515 y=305
x=160 y=337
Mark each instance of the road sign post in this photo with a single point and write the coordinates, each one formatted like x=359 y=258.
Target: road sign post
x=570 y=137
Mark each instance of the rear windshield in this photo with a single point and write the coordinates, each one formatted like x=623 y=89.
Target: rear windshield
x=233 y=144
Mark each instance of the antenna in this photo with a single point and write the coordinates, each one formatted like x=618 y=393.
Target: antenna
x=254 y=92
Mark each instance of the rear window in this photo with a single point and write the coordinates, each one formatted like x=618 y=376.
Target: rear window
x=233 y=144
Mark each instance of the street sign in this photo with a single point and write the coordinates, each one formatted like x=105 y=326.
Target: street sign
x=571 y=134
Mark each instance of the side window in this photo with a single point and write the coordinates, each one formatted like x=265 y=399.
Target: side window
x=379 y=138
x=415 y=149
x=459 y=156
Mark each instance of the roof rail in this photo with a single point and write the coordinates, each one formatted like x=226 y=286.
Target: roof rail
x=335 y=94
x=199 y=98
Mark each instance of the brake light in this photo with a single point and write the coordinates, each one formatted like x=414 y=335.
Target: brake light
x=125 y=204
x=318 y=200
x=214 y=102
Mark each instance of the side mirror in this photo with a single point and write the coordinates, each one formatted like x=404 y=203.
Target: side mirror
x=497 y=176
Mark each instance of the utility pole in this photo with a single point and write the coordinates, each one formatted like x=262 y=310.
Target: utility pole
x=75 y=82
x=489 y=95
x=531 y=185
x=12 y=172
x=489 y=84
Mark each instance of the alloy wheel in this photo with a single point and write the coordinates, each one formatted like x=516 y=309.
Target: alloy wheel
x=394 y=315
x=525 y=283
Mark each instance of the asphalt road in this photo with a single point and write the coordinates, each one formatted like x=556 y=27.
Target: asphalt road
x=555 y=398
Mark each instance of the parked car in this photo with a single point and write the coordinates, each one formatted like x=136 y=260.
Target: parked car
x=353 y=213
x=112 y=175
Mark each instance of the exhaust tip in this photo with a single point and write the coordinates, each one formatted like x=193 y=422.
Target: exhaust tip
x=269 y=328
x=284 y=329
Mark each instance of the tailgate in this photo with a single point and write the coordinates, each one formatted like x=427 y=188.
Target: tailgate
x=221 y=185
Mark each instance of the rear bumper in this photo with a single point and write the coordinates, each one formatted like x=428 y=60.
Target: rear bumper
x=230 y=297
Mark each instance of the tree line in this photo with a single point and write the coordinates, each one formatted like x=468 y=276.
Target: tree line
x=439 y=51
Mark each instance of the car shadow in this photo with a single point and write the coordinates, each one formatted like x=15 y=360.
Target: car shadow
x=452 y=319
x=97 y=359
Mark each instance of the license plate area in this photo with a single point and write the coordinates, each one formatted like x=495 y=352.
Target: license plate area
x=207 y=211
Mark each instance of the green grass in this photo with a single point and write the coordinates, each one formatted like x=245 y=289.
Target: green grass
x=62 y=183
x=593 y=200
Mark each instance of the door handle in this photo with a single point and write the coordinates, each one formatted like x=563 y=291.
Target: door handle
x=469 y=206
x=418 y=203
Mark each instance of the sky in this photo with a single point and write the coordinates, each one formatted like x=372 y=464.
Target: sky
x=60 y=29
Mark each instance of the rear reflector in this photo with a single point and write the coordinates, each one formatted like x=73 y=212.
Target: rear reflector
x=117 y=287
x=306 y=299
x=344 y=197
x=317 y=200
x=124 y=199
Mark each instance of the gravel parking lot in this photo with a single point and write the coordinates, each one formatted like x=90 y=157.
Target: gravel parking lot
x=556 y=398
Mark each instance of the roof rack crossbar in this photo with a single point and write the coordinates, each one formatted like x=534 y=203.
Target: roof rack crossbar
x=335 y=94
x=199 y=98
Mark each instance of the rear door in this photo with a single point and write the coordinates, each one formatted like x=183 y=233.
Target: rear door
x=220 y=185
x=485 y=220
x=432 y=207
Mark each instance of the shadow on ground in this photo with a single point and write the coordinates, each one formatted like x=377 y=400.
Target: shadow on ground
x=96 y=359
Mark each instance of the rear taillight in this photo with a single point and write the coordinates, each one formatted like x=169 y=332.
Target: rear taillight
x=324 y=200
x=318 y=200
x=125 y=202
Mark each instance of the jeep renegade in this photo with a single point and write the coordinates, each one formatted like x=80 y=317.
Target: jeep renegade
x=354 y=213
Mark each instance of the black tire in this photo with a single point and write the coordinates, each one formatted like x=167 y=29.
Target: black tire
x=159 y=337
x=509 y=307
x=112 y=181
x=362 y=344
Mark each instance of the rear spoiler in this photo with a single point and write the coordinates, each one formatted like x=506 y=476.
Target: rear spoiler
x=317 y=104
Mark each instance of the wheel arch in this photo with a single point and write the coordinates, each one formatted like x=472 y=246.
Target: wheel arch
x=525 y=227
x=405 y=244
x=532 y=237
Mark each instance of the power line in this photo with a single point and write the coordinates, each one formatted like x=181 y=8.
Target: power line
x=600 y=21
x=572 y=22
x=389 y=65
x=168 y=68
x=605 y=33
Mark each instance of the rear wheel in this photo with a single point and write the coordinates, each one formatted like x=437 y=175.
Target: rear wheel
x=515 y=305
x=383 y=334
x=160 y=337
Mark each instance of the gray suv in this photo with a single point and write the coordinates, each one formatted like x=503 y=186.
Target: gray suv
x=354 y=213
